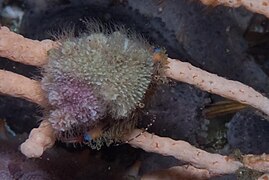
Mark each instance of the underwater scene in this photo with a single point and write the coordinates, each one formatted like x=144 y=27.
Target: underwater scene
x=110 y=104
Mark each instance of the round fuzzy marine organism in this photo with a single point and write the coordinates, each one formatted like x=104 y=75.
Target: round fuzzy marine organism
x=99 y=74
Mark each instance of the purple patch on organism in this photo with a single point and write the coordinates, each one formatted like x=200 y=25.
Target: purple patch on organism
x=74 y=103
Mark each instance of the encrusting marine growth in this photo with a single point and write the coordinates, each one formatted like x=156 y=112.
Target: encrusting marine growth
x=95 y=77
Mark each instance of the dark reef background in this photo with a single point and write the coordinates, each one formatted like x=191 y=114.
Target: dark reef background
x=229 y=42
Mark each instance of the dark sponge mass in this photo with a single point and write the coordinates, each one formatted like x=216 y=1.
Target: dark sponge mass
x=249 y=132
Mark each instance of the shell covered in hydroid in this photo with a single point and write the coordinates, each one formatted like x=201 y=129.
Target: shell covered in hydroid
x=96 y=75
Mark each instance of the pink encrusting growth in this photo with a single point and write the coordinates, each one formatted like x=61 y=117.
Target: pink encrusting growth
x=73 y=103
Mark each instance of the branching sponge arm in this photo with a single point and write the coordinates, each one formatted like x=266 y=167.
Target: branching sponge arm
x=216 y=164
x=212 y=83
x=17 y=48
x=19 y=86
x=256 y=6
x=39 y=140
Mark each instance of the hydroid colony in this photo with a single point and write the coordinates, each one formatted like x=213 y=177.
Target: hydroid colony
x=98 y=78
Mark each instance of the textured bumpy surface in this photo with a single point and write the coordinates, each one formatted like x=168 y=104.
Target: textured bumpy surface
x=97 y=75
x=74 y=101
x=249 y=132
